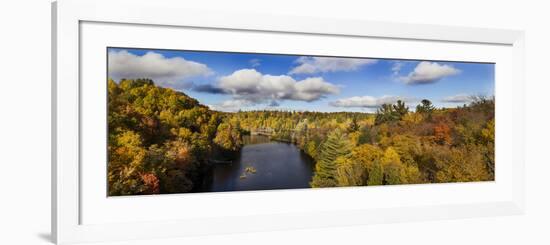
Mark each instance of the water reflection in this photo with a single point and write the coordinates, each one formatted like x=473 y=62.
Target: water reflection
x=262 y=164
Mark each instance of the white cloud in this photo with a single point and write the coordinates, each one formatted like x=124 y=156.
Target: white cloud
x=311 y=65
x=245 y=81
x=459 y=98
x=230 y=105
x=313 y=88
x=172 y=72
x=368 y=101
x=251 y=85
x=429 y=72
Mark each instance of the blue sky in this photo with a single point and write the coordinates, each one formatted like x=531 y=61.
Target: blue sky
x=247 y=81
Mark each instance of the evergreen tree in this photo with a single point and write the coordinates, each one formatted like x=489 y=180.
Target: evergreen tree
x=385 y=113
x=391 y=112
x=335 y=146
x=354 y=126
x=364 y=136
x=400 y=109
x=425 y=107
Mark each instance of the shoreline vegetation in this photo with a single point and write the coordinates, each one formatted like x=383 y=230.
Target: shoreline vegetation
x=163 y=141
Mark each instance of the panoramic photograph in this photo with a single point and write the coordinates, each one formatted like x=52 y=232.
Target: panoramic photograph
x=182 y=121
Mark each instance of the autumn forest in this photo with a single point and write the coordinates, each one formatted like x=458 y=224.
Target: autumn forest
x=163 y=141
x=202 y=121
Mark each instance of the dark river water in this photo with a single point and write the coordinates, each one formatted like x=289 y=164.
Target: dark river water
x=271 y=165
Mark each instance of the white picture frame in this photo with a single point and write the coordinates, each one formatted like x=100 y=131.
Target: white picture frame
x=68 y=18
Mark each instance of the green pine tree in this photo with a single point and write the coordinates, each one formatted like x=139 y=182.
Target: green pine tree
x=400 y=109
x=386 y=113
x=335 y=146
x=354 y=126
x=425 y=106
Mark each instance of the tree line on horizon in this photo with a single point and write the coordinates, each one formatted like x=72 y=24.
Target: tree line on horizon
x=161 y=141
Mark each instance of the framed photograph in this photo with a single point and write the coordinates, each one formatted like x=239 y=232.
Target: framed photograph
x=175 y=122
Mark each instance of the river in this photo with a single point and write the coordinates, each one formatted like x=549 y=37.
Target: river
x=262 y=164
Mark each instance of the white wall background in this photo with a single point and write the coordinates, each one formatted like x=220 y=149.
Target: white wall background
x=25 y=122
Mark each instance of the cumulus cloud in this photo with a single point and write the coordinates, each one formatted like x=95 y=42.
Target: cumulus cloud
x=249 y=87
x=254 y=86
x=311 y=65
x=172 y=72
x=459 y=98
x=368 y=101
x=429 y=72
